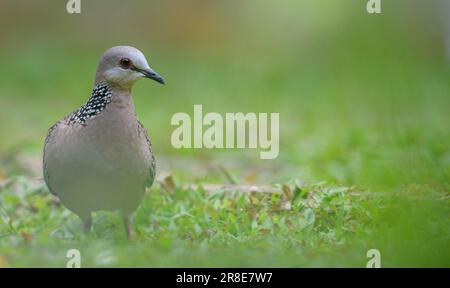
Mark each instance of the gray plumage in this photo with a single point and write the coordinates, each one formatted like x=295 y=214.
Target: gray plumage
x=99 y=157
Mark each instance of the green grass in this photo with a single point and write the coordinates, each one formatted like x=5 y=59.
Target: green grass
x=302 y=225
x=189 y=227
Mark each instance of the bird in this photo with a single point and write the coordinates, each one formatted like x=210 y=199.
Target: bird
x=99 y=157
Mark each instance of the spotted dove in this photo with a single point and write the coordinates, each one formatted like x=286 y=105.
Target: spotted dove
x=99 y=157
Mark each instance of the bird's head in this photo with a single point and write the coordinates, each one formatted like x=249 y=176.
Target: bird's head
x=122 y=66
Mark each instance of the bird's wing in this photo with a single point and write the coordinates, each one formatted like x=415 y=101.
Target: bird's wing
x=152 y=168
x=50 y=132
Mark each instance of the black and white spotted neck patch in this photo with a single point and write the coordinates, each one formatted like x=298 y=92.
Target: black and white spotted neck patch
x=101 y=95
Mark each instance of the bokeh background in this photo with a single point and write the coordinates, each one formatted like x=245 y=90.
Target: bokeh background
x=364 y=100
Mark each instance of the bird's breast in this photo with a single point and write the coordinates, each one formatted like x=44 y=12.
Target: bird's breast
x=109 y=145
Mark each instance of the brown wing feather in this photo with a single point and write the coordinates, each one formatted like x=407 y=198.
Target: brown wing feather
x=152 y=168
x=45 y=171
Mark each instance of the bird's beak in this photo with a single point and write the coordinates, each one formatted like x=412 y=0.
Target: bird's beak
x=150 y=74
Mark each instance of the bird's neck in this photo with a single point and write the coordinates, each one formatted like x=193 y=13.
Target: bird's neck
x=121 y=99
x=103 y=95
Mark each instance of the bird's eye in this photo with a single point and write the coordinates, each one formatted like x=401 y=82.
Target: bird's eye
x=125 y=63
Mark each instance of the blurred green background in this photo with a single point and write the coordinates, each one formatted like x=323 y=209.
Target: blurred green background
x=364 y=100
